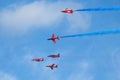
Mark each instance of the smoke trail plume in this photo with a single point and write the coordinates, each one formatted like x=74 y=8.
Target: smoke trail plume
x=100 y=9
x=104 y=32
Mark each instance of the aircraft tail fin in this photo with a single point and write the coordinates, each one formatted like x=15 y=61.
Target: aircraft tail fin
x=58 y=55
x=58 y=37
x=42 y=59
x=56 y=66
x=66 y=9
x=53 y=35
x=72 y=11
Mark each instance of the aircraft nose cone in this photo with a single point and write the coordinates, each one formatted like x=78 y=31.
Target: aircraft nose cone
x=48 y=39
x=47 y=66
x=49 y=56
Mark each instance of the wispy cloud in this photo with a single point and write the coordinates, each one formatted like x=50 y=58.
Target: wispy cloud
x=21 y=18
x=39 y=67
x=81 y=71
x=6 y=76
x=116 y=63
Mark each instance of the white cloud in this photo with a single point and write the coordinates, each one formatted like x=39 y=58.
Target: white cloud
x=39 y=67
x=80 y=77
x=6 y=76
x=78 y=22
x=81 y=71
x=21 y=18
x=116 y=63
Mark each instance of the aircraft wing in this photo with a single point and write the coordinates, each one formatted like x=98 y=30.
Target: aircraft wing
x=53 y=36
x=54 y=41
x=51 y=68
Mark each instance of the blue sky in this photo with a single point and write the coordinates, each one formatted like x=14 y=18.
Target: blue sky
x=26 y=24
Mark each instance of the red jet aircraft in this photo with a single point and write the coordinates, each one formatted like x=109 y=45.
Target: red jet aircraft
x=69 y=11
x=53 y=38
x=52 y=66
x=38 y=59
x=54 y=56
